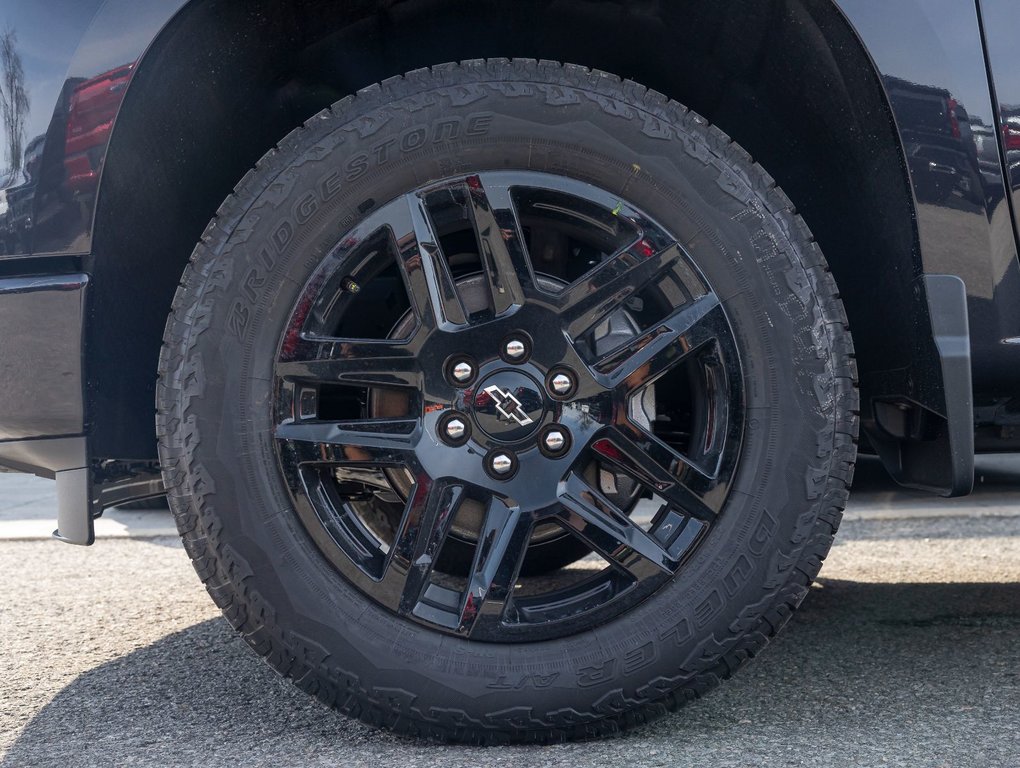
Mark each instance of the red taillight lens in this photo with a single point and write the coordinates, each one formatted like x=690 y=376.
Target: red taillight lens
x=91 y=110
x=954 y=121
x=1011 y=136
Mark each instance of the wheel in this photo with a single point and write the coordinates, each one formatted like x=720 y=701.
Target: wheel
x=507 y=401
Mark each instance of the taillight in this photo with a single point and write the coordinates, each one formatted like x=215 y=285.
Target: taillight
x=1011 y=136
x=954 y=122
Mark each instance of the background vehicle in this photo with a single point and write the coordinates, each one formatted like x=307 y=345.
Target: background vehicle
x=941 y=147
x=527 y=368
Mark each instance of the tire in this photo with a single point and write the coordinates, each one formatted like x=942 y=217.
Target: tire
x=224 y=451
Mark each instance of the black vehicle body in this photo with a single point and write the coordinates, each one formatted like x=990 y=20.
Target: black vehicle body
x=127 y=121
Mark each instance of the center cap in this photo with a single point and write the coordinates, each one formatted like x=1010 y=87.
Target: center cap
x=508 y=405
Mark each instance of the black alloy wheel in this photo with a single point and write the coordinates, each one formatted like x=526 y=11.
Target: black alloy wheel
x=507 y=401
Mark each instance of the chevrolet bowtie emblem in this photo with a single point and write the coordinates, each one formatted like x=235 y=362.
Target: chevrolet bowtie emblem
x=508 y=406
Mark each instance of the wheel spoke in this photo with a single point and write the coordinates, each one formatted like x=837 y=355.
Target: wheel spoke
x=502 y=542
x=373 y=442
x=500 y=243
x=426 y=522
x=606 y=528
x=596 y=295
x=659 y=467
x=667 y=344
x=424 y=267
x=351 y=361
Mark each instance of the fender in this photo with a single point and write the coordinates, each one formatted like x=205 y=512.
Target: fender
x=73 y=78
x=54 y=166
x=927 y=49
x=927 y=54
x=1000 y=21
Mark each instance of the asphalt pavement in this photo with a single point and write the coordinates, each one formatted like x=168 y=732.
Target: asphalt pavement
x=907 y=653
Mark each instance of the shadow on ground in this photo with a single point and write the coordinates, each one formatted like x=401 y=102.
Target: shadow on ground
x=926 y=673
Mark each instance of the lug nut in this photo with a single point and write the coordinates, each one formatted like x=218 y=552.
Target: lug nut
x=515 y=349
x=460 y=370
x=561 y=383
x=455 y=429
x=501 y=463
x=554 y=440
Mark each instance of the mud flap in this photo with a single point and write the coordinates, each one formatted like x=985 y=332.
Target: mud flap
x=923 y=448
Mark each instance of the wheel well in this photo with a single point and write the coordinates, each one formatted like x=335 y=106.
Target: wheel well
x=226 y=79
